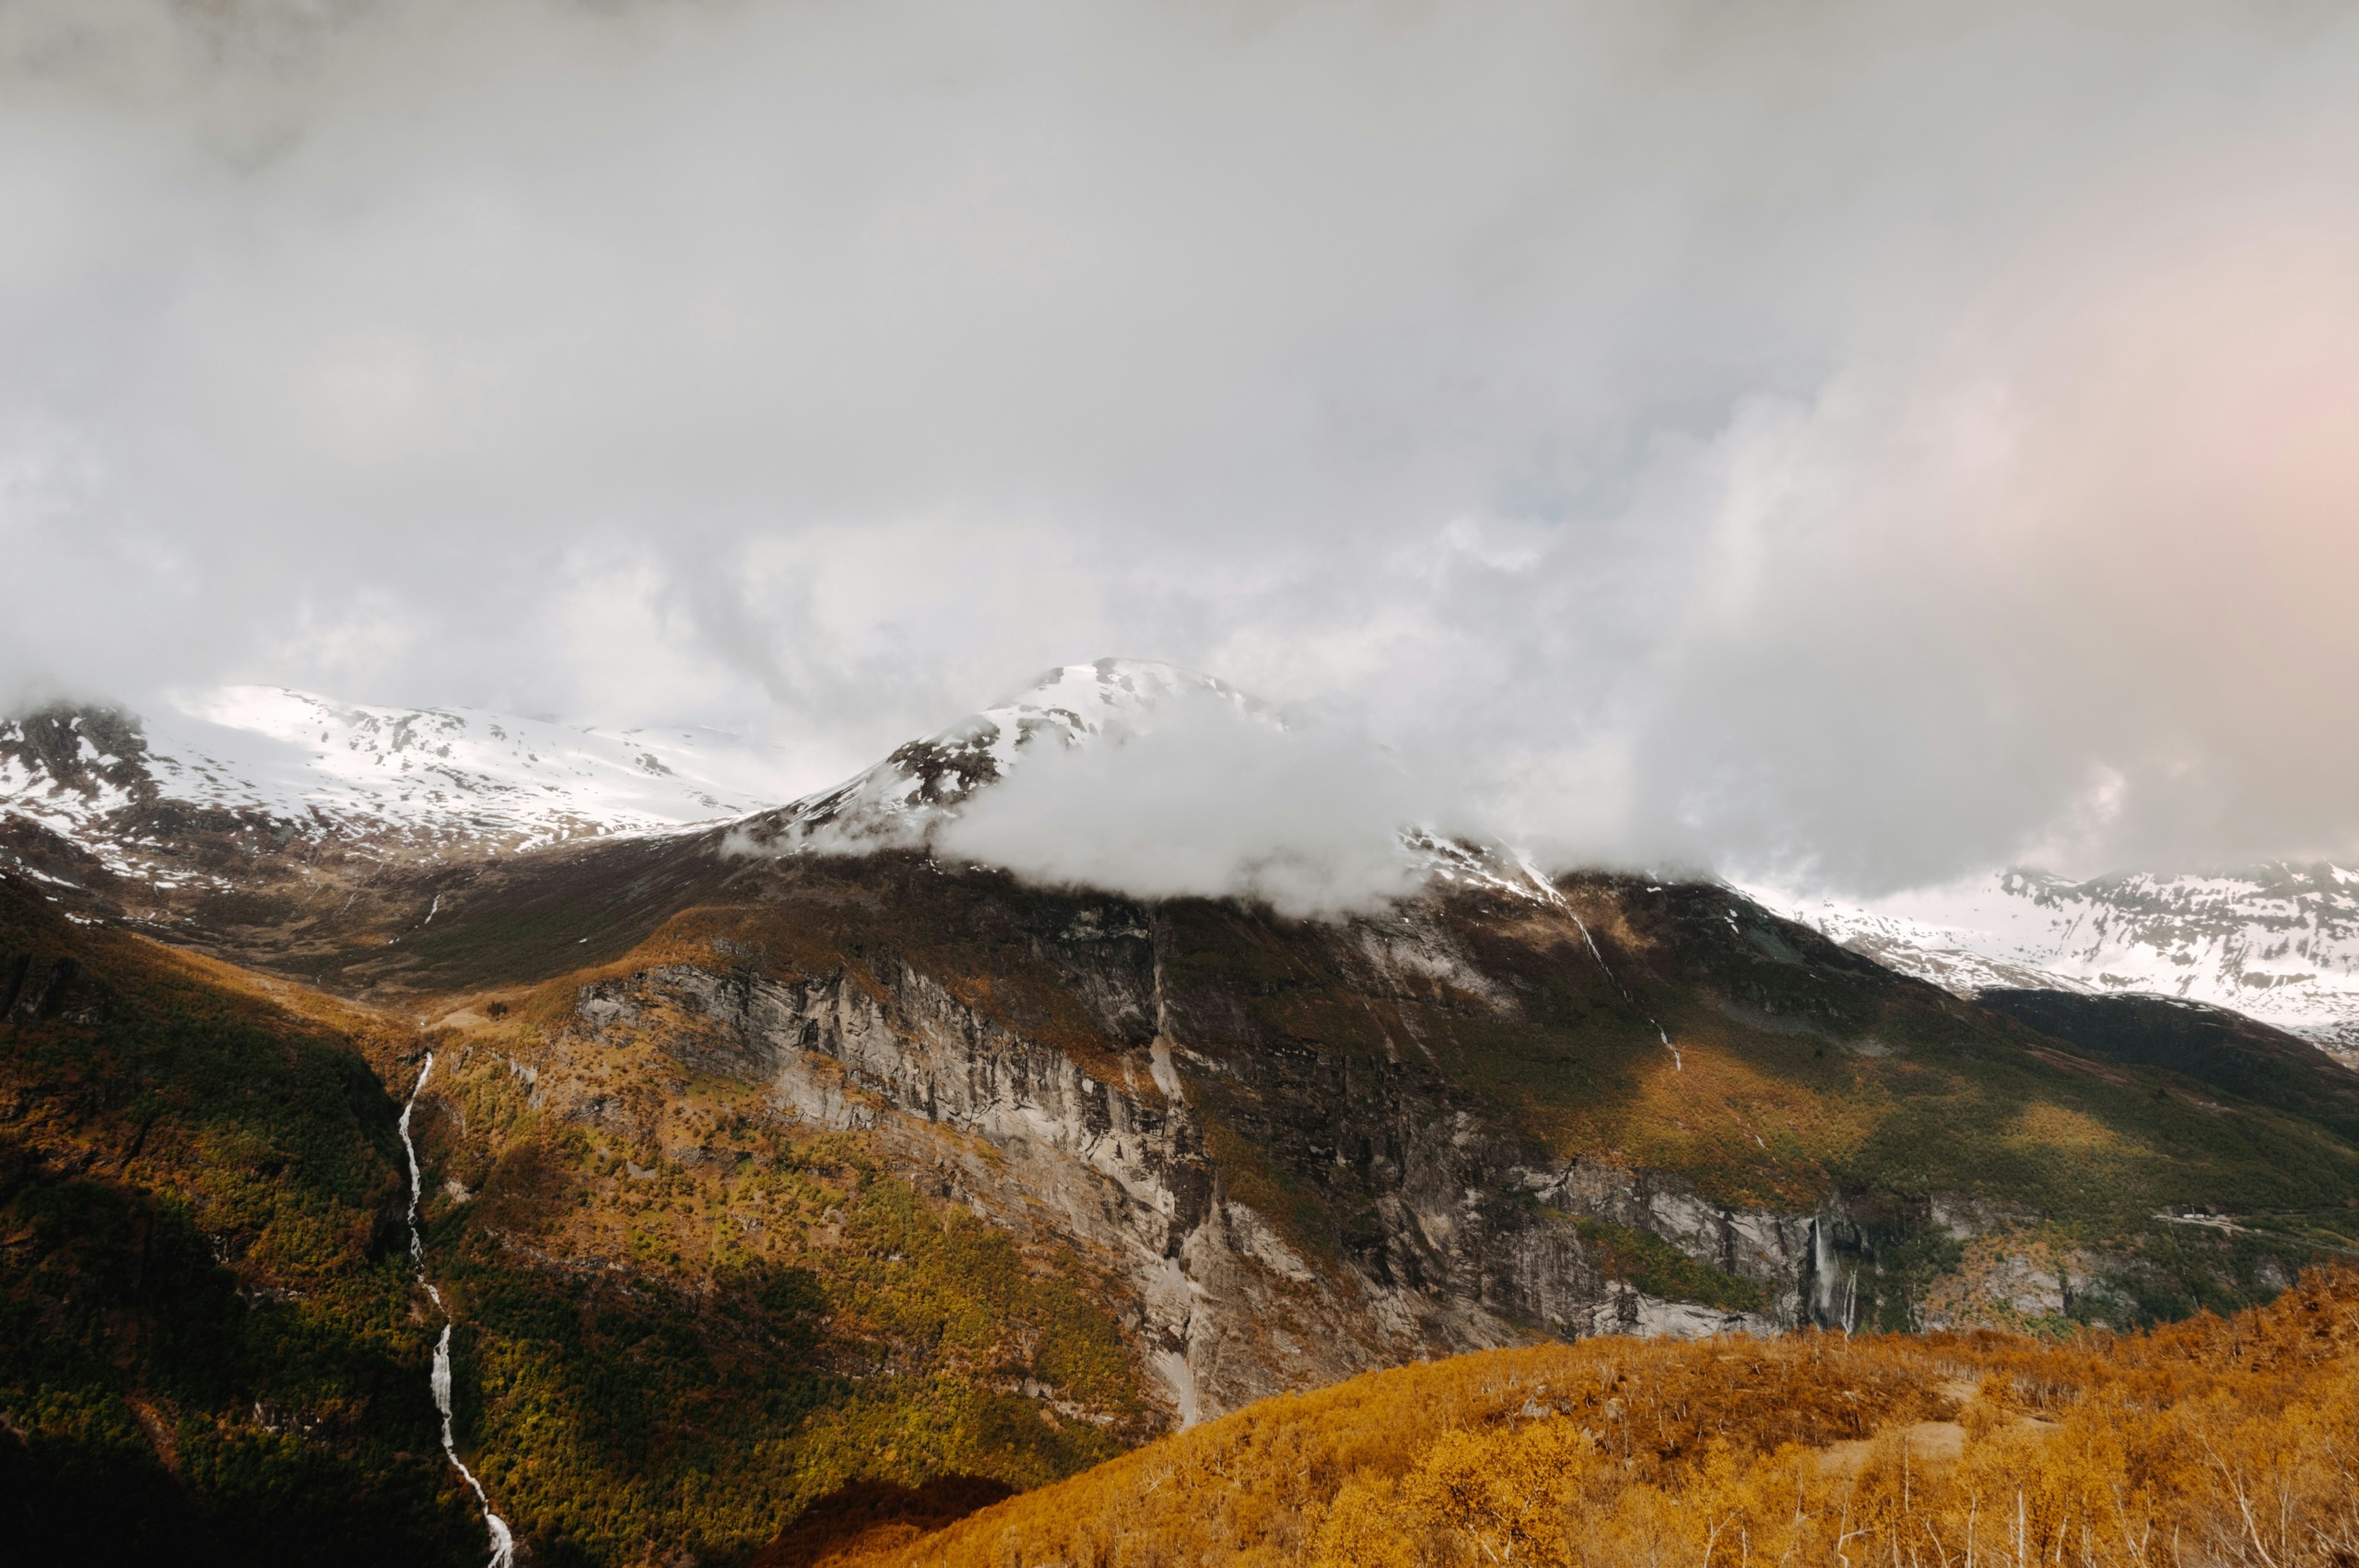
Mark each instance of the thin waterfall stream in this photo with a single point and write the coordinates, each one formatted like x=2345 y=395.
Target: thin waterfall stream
x=1548 y=890
x=503 y=1543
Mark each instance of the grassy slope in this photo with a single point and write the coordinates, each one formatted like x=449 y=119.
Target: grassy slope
x=1610 y=1452
x=2211 y=1045
x=206 y=1347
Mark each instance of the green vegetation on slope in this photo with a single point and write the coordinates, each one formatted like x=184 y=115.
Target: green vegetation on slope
x=2210 y=1044
x=1647 y=1262
x=213 y=1351
x=208 y=1351
x=679 y=1331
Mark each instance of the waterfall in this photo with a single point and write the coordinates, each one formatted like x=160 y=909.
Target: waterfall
x=1548 y=889
x=1834 y=1290
x=503 y=1544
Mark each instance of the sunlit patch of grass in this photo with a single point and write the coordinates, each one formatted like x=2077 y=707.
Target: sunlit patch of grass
x=2052 y=1127
x=1742 y=1132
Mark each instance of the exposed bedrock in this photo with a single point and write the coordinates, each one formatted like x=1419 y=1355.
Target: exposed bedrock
x=1460 y=1238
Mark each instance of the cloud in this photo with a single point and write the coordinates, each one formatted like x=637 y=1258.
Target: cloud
x=1859 y=442
x=1207 y=799
x=2077 y=576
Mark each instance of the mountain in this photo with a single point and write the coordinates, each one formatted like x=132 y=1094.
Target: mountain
x=274 y=822
x=2278 y=943
x=749 y=1168
x=405 y=782
x=897 y=803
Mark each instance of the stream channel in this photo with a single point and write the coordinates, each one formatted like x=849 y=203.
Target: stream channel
x=503 y=1544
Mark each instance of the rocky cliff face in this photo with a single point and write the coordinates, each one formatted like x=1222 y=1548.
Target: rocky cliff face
x=1110 y=1158
x=1294 y=1151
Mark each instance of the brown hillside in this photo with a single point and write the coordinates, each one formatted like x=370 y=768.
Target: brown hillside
x=2214 y=1440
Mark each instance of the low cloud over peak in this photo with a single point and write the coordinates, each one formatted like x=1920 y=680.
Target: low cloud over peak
x=1209 y=797
x=1142 y=777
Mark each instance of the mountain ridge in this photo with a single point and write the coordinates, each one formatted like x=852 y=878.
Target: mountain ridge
x=190 y=817
x=2278 y=942
x=410 y=782
x=900 y=801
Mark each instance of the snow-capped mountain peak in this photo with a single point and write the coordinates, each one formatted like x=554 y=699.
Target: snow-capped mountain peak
x=1145 y=779
x=897 y=803
x=410 y=782
x=2279 y=942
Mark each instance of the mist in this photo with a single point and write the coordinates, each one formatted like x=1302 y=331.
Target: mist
x=1209 y=800
x=1854 y=445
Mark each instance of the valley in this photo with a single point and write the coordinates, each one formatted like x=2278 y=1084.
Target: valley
x=781 y=1154
x=1076 y=785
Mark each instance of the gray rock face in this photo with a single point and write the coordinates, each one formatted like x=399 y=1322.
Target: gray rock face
x=1774 y=1250
x=1223 y=1309
x=1468 y=1243
x=1290 y=1151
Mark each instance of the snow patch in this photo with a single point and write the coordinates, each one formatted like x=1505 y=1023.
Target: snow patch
x=429 y=779
x=2279 y=942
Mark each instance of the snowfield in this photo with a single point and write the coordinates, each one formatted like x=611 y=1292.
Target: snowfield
x=424 y=779
x=2279 y=942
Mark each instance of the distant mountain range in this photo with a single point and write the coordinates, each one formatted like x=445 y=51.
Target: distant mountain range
x=421 y=780
x=2279 y=942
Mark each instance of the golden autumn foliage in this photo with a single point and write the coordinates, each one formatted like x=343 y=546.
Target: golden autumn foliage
x=2211 y=1442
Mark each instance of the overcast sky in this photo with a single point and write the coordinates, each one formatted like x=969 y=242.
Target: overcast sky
x=1854 y=442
